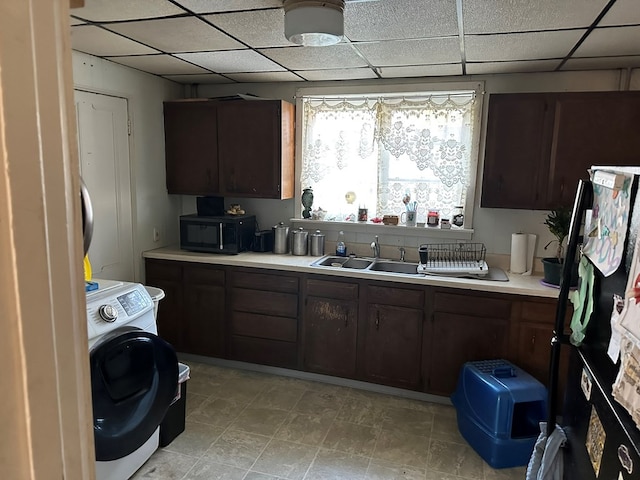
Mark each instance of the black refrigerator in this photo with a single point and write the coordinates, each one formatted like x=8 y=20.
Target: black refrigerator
x=599 y=417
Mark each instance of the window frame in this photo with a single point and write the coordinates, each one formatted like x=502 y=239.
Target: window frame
x=390 y=89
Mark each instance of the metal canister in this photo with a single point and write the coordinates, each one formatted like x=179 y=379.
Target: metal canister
x=299 y=241
x=281 y=238
x=316 y=243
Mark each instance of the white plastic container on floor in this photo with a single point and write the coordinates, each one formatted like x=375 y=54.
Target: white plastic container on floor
x=156 y=295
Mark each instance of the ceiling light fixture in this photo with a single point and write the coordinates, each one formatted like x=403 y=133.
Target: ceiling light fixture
x=314 y=23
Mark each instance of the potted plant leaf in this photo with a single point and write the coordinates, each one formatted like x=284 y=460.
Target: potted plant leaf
x=558 y=222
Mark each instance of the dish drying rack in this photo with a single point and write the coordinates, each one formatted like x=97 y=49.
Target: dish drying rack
x=453 y=259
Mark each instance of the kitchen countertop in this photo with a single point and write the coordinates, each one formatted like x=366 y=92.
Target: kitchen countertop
x=517 y=284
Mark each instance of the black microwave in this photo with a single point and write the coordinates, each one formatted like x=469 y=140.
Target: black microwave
x=222 y=234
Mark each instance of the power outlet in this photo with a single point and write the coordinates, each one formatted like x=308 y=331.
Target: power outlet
x=156 y=234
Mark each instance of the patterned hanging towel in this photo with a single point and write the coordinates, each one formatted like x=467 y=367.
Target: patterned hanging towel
x=607 y=232
x=582 y=300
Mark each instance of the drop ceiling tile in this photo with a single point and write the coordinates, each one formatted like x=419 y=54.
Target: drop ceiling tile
x=97 y=41
x=481 y=16
x=198 y=78
x=339 y=74
x=315 y=58
x=602 y=63
x=411 y=52
x=185 y=34
x=603 y=42
x=422 y=71
x=232 y=61
x=259 y=28
x=158 y=64
x=520 y=46
x=209 y=6
x=623 y=12
x=490 y=68
x=109 y=10
x=399 y=19
x=264 y=77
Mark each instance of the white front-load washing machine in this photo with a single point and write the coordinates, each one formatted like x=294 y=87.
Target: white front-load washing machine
x=134 y=377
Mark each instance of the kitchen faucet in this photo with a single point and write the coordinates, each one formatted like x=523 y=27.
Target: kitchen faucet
x=375 y=247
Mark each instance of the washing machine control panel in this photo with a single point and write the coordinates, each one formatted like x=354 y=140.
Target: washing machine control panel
x=123 y=304
x=133 y=302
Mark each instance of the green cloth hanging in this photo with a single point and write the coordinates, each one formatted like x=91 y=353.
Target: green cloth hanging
x=582 y=300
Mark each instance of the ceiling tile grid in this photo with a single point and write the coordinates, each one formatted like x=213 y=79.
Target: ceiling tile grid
x=184 y=34
x=222 y=41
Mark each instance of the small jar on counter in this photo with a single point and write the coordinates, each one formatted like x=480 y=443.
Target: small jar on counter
x=433 y=218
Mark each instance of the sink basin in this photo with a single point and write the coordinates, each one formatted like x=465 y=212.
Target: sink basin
x=342 y=262
x=395 y=267
x=358 y=263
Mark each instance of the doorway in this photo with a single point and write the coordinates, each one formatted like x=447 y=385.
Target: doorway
x=103 y=145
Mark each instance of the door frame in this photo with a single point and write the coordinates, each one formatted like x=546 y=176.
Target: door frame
x=46 y=406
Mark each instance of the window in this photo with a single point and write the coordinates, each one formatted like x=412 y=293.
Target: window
x=419 y=148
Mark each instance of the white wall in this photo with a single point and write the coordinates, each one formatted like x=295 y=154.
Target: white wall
x=493 y=227
x=152 y=206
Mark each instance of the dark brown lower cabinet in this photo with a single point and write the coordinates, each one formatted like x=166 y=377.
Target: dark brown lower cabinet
x=191 y=316
x=466 y=327
x=167 y=275
x=331 y=328
x=392 y=343
x=263 y=317
x=406 y=336
x=204 y=308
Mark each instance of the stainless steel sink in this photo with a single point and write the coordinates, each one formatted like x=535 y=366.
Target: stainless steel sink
x=395 y=267
x=343 y=262
x=370 y=264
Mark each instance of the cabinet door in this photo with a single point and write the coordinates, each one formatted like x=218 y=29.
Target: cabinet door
x=458 y=339
x=591 y=129
x=168 y=276
x=255 y=148
x=392 y=345
x=517 y=149
x=204 y=310
x=191 y=150
x=330 y=336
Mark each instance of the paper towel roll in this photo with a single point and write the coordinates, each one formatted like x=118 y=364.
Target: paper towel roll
x=519 y=242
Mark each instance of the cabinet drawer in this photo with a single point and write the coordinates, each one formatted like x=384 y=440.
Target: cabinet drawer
x=472 y=305
x=264 y=281
x=329 y=289
x=204 y=274
x=400 y=297
x=161 y=269
x=266 y=303
x=264 y=326
x=265 y=352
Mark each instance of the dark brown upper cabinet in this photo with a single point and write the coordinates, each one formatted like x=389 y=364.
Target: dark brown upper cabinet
x=240 y=148
x=538 y=145
x=191 y=147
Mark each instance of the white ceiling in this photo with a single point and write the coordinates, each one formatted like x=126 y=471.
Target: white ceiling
x=226 y=41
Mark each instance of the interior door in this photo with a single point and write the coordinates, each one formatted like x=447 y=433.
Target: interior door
x=103 y=143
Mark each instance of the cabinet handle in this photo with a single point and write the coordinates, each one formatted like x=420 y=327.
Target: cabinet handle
x=378 y=320
x=533 y=340
x=346 y=316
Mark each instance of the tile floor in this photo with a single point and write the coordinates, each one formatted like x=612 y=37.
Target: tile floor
x=245 y=425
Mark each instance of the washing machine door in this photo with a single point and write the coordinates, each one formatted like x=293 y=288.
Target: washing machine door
x=134 y=379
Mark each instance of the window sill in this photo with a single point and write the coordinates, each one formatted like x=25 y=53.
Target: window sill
x=453 y=233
